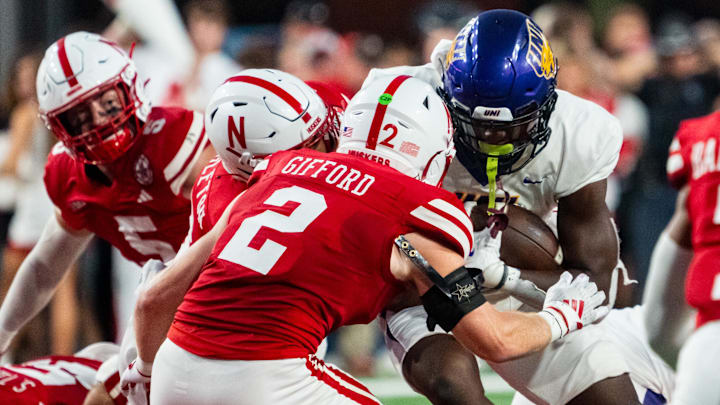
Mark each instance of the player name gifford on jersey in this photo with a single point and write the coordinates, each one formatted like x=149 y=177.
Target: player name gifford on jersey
x=340 y=175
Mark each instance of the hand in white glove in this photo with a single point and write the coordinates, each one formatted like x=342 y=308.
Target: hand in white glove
x=571 y=304
x=135 y=382
x=486 y=257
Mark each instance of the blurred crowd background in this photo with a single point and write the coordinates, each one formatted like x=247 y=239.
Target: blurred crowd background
x=650 y=63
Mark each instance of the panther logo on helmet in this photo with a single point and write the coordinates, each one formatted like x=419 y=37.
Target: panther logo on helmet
x=539 y=55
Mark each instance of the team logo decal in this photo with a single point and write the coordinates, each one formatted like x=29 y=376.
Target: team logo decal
x=457 y=49
x=77 y=205
x=143 y=171
x=539 y=54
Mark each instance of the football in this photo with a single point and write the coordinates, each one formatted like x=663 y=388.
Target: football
x=527 y=242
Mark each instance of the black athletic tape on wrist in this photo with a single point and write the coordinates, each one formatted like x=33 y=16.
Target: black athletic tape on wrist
x=444 y=311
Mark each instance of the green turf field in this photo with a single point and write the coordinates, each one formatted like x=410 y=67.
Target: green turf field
x=497 y=399
x=392 y=390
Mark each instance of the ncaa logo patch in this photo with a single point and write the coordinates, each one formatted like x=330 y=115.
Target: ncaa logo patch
x=539 y=54
x=143 y=171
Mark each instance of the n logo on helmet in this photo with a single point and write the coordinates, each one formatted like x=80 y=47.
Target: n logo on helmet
x=539 y=54
x=236 y=132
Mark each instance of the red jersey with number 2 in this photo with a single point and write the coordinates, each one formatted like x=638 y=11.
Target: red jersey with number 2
x=307 y=250
x=56 y=380
x=142 y=212
x=694 y=160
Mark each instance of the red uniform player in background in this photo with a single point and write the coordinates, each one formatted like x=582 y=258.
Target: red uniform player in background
x=54 y=380
x=122 y=171
x=693 y=164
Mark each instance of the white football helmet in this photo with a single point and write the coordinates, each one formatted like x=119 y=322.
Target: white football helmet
x=261 y=111
x=401 y=122
x=80 y=69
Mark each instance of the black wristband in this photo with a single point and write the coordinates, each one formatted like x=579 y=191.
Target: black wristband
x=445 y=311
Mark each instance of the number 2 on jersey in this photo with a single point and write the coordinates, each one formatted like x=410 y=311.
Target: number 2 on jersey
x=262 y=260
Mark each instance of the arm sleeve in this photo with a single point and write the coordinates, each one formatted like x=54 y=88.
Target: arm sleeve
x=38 y=277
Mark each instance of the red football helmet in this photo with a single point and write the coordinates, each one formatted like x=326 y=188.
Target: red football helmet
x=90 y=97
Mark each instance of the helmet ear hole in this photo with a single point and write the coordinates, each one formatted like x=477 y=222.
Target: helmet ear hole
x=212 y=115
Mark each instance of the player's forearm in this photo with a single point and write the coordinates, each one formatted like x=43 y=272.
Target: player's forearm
x=156 y=306
x=512 y=335
x=39 y=275
x=667 y=317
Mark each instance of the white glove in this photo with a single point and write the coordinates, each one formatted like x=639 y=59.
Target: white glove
x=571 y=304
x=135 y=382
x=486 y=257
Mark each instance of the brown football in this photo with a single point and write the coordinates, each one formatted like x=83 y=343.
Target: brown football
x=527 y=242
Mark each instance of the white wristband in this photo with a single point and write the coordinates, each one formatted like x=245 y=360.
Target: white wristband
x=553 y=322
x=143 y=368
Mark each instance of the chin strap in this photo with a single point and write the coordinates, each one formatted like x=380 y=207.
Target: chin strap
x=493 y=151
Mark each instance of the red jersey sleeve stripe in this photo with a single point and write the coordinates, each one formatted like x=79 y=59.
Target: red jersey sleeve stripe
x=380 y=111
x=675 y=162
x=181 y=164
x=449 y=227
x=278 y=91
x=454 y=212
x=65 y=63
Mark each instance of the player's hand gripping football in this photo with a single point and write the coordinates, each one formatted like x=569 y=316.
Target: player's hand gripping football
x=496 y=275
x=571 y=304
x=135 y=382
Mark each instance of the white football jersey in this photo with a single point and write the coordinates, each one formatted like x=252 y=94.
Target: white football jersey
x=583 y=148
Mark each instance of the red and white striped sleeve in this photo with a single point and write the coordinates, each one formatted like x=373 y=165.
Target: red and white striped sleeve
x=180 y=166
x=444 y=218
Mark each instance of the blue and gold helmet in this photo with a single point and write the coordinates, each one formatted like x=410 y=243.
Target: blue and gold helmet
x=499 y=84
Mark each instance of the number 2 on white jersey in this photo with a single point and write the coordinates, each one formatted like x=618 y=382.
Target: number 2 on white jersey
x=261 y=260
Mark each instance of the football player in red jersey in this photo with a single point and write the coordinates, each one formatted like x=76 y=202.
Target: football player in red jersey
x=309 y=248
x=60 y=380
x=693 y=164
x=243 y=96
x=122 y=170
x=266 y=102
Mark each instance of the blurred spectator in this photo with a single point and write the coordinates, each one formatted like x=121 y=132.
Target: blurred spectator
x=707 y=32
x=569 y=28
x=682 y=89
x=628 y=42
x=438 y=20
x=30 y=144
x=398 y=54
x=164 y=51
x=207 y=25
